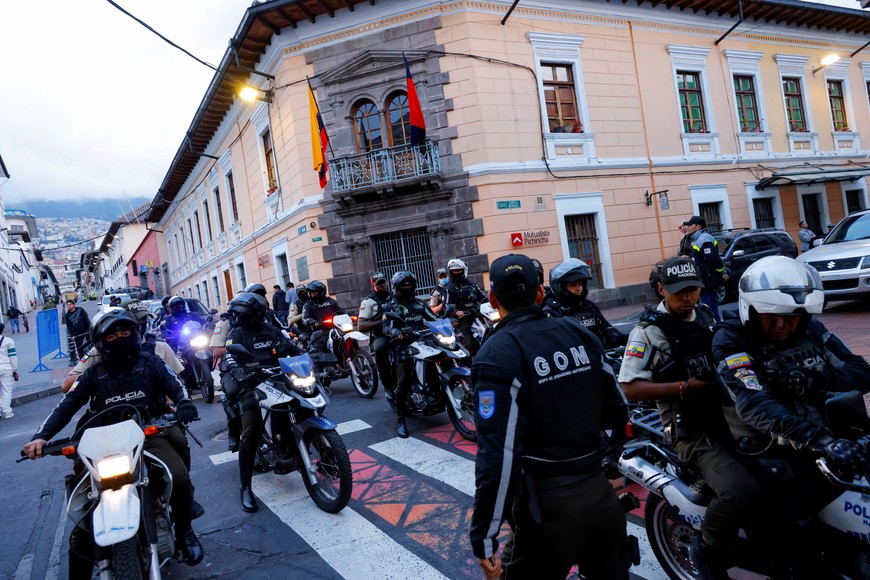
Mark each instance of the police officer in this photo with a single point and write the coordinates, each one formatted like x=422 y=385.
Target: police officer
x=297 y=307
x=467 y=297
x=570 y=284
x=266 y=343
x=436 y=299
x=541 y=404
x=271 y=316
x=127 y=376
x=668 y=360
x=371 y=313
x=163 y=312
x=777 y=364
x=320 y=307
x=705 y=252
x=413 y=315
x=172 y=324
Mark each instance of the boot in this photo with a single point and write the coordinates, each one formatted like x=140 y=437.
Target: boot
x=191 y=550
x=232 y=439
x=249 y=500
x=196 y=510
x=708 y=562
x=390 y=397
x=401 y=428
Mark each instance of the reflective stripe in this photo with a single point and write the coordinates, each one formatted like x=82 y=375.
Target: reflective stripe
x=506 y=469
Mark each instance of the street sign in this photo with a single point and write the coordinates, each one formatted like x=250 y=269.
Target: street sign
x=317 y=239
x=507 y=204
x=302 y=230
x=517 y=239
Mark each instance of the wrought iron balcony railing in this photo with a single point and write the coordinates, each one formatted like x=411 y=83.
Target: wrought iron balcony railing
x=381 y=166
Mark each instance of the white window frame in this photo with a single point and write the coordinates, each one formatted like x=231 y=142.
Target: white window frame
x=214 y=282
x=240 y=261
x=865 y=74
x=260 y=121
x=712 y=194
x=747 y=63
x=810 y=189
x=845 y=142
x=860 y=184
x=279 y=248
x=752 y=193
x=564 y=49
x=694 y=59
x=587 y=203
x=794 y=65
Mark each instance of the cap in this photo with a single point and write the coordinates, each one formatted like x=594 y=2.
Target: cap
x=512 y=274
x=696 y=220
x=378 y=276
x=680 y=273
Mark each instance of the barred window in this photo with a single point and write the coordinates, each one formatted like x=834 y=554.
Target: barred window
x=583 y=243
x=711 y=212
x=408 y=250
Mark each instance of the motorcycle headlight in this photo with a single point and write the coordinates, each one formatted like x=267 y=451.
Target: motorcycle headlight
x=495 y=316
x=200 y=341
x=447 y=340
x=304 y=385
x=113 y=467
x=347 y=327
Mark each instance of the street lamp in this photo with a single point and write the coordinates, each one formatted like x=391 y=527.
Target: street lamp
x=250 y=94
x=826 y=62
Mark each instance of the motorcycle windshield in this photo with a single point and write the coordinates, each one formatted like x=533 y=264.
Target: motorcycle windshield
x=301 y=366
x=441 y=327
x=190 y=328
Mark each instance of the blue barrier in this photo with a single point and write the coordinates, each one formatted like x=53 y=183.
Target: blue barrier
x=47 y=337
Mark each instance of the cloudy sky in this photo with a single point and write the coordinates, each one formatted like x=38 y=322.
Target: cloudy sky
x=94 y=105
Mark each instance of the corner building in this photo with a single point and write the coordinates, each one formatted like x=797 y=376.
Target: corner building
x=545 y=132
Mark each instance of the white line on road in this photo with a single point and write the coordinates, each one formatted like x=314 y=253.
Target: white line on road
x=25 y=567
x=347 y=541
x=458 y=473
x=54 y=557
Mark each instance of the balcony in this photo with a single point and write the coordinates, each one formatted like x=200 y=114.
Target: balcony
x=385 y=169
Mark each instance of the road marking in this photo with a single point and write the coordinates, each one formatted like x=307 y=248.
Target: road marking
x=340 y=539
x=342 y=429
x=25 y=567
x=54 y=557
x=458 y=473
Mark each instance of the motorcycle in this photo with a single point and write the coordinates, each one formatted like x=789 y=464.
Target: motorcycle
x=440 y=382
x=485 y=323
x=192 y=344
x=126 y=492
x=350 y=348
x=677 y=502
x=296 y=435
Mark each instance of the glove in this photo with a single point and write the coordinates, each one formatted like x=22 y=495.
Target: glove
x=239 y=373
x=795 y=382
x=844 y=453
x=185 y=411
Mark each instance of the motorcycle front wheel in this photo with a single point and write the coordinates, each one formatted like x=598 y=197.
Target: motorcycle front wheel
x=365 y=375
x=205 y=382
x=464 y=420
x=330 y=464
x=127 y=561
x=670 y=538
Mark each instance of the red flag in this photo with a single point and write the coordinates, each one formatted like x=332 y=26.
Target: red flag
x=319 y=138
x=418 y=125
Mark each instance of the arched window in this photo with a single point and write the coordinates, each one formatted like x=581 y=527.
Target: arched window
x=367 y=126
x=399 y=119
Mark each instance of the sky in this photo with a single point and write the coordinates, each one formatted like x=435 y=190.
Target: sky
x=93 y=105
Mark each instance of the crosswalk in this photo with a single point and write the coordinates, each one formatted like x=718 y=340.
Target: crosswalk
x=409 y=485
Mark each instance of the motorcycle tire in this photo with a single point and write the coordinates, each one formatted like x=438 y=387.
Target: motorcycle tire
x=670 y=538
x=331 y=464
x=365 y=379
x=464 y=421
x=206 y=385
x=127 y=561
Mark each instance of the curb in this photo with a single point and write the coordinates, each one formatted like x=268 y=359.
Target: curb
x=35 y=395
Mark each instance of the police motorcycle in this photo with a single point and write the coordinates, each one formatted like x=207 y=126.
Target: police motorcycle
x=296 y=435
x=350 y=348
x=484 y=324
x=192 y=344
x=439 y=380
x=123 y=496
x=677 y=502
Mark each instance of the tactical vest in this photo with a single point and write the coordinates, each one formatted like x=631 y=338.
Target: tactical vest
x=690 y=344
x=322 y=311
x=381 y=305
x=260 y=342
x=465 y=296
x=584 y=314
x=126 y=389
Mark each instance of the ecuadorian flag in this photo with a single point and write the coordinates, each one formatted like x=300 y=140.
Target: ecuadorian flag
x=319 y=138
x=418 y=125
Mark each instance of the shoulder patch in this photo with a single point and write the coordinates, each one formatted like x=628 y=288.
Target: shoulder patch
x=229 y=341
x=486 y=404
x=708 y=250
x=737 y=361
x=73 y=387
x=635 y=348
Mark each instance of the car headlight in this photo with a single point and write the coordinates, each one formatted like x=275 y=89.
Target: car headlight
x=865 y=262
x=113 y=467
x=305 y=385
x=200 y=341
x=447 y=340
x=347 y=327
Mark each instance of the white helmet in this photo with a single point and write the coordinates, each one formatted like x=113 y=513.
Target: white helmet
x=457 y=264
x=780 y=285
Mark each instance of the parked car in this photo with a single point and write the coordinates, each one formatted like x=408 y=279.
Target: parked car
x=138 y=293
x=106 y=302
x=843 y=258
x=739 y=248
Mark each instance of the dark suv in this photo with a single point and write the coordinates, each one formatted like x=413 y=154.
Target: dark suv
x=739 y=248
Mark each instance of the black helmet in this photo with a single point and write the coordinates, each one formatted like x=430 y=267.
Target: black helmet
x=302 y=292
x=113 y=320
x=256 y=289
x=165 y=301
x=316 y=291
x=404 y=285
x=539 y=268
x=571 y=270
x=176 y=305
x=249 y=309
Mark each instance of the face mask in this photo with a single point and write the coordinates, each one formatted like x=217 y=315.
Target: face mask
x=406 y=294
x=443 y=281
x=457 y=278
x=123 y=348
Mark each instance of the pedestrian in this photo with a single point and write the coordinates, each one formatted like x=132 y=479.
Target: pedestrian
x=705 y=253
x=13 y=313
x=806 y=236
x=8 y=373
x=291 y=296
x=544 y=393
x=25 y=322
x=829 y=228
x=279 y=303
x=685 y=242
x=78 y=326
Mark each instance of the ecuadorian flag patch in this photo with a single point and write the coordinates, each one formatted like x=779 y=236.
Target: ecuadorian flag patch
x=737 y=361
x=635 y=348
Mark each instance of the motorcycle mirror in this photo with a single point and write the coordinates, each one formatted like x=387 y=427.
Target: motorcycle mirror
x=847 y=415
x=213 y=311
x=393 y=316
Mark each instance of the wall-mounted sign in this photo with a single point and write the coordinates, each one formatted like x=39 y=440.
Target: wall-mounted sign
x=302 y=268
x=317 y=239
x=517 y=239
x=540 y=203
x=302 y=230
x=507 y=204
x=536 y=237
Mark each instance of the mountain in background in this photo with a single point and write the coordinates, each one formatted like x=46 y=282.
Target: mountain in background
x=102 y=209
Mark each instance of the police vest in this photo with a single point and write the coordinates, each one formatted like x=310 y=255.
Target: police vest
x=465 y=296
x=260 y=343
x=126 y=389
x=584 y=314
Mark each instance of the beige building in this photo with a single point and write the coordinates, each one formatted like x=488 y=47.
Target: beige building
x=580 y=128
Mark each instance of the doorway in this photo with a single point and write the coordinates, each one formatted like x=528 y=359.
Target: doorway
x=813 y=212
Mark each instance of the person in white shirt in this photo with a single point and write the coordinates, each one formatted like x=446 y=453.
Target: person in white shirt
x=8 y=372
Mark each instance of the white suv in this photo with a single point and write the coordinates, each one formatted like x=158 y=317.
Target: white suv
x=843 y=258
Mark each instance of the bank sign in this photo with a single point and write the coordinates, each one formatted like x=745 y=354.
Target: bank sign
x=532 y=238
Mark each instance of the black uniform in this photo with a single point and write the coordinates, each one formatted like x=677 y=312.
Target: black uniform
x=589 y=315
x=414 y=315
x=541 y=404
x=373 y=308
x=267 y=344
x=467 y=297
x=314 y=313
x=775 y=425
